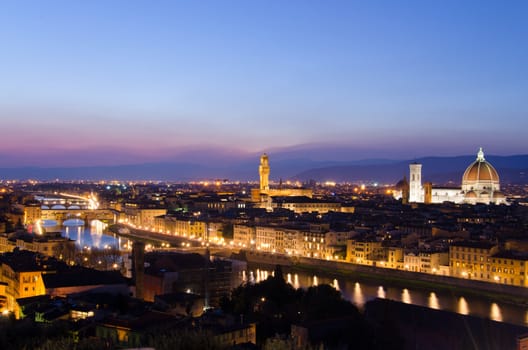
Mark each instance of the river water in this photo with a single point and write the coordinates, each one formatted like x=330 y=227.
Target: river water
x=92 y=235
x=359 y=293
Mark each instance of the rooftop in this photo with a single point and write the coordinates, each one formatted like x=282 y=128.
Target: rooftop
x=81 y=276
x=474 y=244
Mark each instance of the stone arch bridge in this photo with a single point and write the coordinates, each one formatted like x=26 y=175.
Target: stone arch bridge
x=60 y=215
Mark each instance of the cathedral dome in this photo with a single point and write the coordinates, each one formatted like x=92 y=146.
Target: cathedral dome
x=480 y=175
x=402 y=184
x=480 y=171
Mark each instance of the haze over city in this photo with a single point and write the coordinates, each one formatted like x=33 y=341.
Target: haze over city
x=109 y=83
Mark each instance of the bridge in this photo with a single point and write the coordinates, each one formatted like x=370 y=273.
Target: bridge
x=66 y=201
x=87 y=215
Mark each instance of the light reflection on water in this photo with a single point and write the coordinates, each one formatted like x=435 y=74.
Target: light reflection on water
x=359 y=297
x=463 y=307
x=357 y=293
x=381 y=292
x=296 y=284
x=335 y=284
x=495 y=312
x=90 y=236
x=406 y=296
x=433 y=301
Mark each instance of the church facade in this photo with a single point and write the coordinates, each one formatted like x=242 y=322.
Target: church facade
x=480 y=185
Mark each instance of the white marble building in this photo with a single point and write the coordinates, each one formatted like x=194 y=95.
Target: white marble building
x=480 y=184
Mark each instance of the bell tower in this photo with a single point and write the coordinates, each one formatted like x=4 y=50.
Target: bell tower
x=415 y=183
x=264 y=171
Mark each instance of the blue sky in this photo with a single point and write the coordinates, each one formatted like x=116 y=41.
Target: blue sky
x=144 y=80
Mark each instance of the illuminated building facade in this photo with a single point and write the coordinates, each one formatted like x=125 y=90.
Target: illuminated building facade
x=32 y=214
x=364 y=251
x=480 y=184
x=316 y=241
x=264 y=192
x=484 y=262
x=21 y=274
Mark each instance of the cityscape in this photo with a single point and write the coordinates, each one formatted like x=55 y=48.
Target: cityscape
x=263 y=175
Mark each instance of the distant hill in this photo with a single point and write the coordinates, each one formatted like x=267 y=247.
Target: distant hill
x=439 y=170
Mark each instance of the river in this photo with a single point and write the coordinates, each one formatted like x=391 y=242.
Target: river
x=359 y=293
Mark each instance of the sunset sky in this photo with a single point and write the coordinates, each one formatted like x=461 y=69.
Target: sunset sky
x=110 y=82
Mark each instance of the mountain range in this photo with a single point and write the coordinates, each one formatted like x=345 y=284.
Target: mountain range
x=284 y=165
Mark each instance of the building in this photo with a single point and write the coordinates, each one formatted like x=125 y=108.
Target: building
x=270 y=239
x=510 y=267
x=143 y=217
x=228 y=330
x=77 y=279
x=32 y=214
x=472 y=260
x=169 y=272
x=50 y=244
x=264 y=192
x=21 y=274
x=364 y=251
x=395 y=258
x=480 y=184
x=181 y=303
x=244 y=236
x=303 y=204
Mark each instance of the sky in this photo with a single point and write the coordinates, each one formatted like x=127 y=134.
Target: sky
x=119 y=82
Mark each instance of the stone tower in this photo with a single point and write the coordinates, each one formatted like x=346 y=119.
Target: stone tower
x=428 y=192
x=264 y=171
x=415 y=183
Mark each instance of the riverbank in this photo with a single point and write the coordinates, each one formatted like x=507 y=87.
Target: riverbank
x=392 y=278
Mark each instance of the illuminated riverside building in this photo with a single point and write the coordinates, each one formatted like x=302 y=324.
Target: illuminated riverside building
x=189 y=226
x=364 y=251
x=316 y=241
x=371 y=252
x=480 y=184
x=25 y=274
x=32 y=214
x=484 y=262
x=53 y=244
x=244 y=236
x=21 y=274
x=138 y=216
